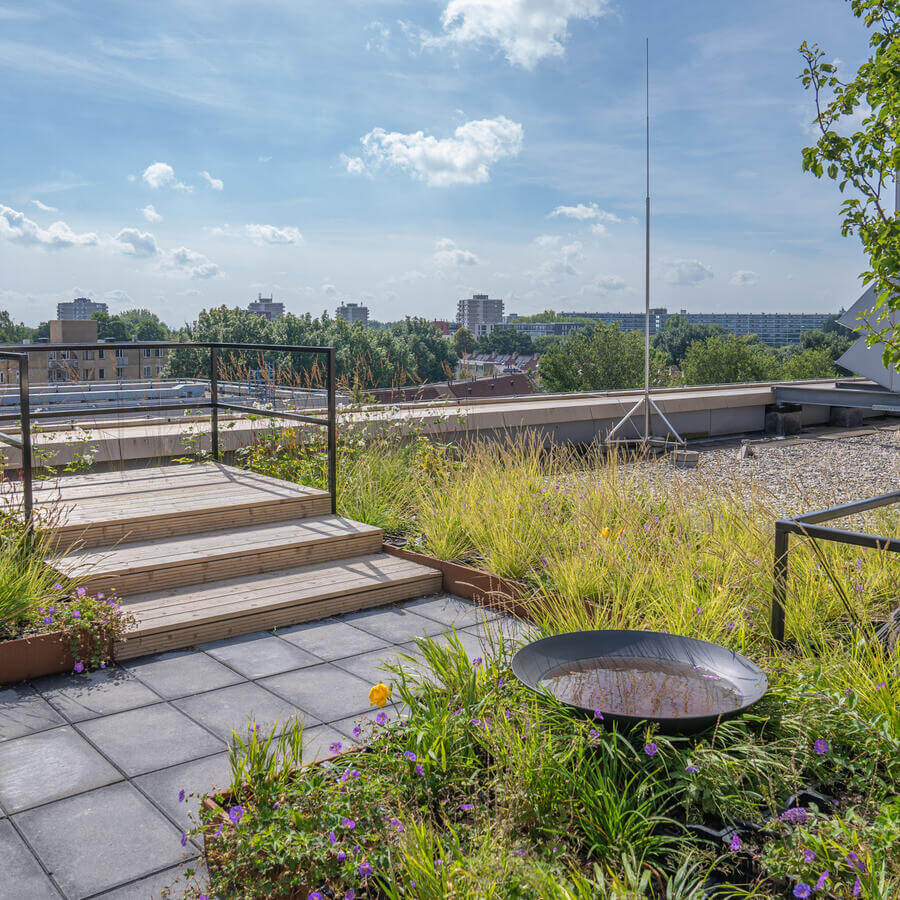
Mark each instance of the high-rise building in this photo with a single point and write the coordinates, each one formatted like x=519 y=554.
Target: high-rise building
x=266 y=307
x=353 y=312
x=79 y=308
x=479 y=313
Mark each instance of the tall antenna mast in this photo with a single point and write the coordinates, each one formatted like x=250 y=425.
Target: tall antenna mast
x=646 y=400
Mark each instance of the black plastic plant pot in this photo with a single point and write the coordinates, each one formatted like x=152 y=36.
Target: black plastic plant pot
x=683 y=684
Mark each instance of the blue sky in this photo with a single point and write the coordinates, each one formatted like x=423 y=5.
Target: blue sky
x=178 y=155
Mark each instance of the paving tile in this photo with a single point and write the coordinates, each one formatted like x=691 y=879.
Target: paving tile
x=317 y=742
x=23 y=879
x=331 y=639
x=101 y=839
x=187 y=880
x=48 y=766
x=474 y=645
x=260 y=654
x=234 y=708
x=515 y=632
x=393 y=624
x=181 y=672
x=143 y=740
x=450 y=610
x=24 y=711
x=325 y=691
x=98 y=693
x=195 y=778
x=369 y=666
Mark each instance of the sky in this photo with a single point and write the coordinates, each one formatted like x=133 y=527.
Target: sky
x=182 y=155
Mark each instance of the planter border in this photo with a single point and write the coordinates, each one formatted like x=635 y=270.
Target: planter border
x=34 y=656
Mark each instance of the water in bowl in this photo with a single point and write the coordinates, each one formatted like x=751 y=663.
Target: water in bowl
x=642 y=688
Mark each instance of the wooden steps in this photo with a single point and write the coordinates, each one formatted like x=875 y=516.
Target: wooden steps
x=203 y=552
x=140 y=566
x=185 y=616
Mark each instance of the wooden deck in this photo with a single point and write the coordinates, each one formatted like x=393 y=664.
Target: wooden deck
x=206 y=551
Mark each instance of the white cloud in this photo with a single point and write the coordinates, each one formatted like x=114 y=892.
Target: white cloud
x=547 y=240
x=744 y=278
x=270 y=234
x=446 y=253
x=604 y=284
x=44 y=207
x=685 y=272
x=137 y=243
x=585 y=212
x=527 y=31
x=150 y=213
x=118 y=296
x=215 y=183
x=560 y=263
x=465 y=158
x=599 y=229
x=191 y=263
x=379 y=35
x=264 y=159
x=160 y=174
x=16 y=226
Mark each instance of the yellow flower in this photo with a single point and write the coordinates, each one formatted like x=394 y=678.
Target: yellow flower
x=604 y=532
x=379 y=694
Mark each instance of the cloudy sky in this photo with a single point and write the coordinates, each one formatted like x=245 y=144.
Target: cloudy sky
x=187 y=153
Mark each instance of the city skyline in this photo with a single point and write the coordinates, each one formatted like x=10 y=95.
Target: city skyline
x=275 y=160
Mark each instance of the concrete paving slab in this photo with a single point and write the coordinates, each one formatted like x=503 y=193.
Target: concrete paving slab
x=325 y=691
x=258 y=655
x=451 y=611
x=369 y=666
x=146 y=739
x=186 y=880
x=234 y=708
x=24 y=711
x=101 y=839
x=331 y=639
x=99 y=693
x=317 y=742
x=40 y=768
x=393 y=624
x=23 y=878
x=181 y=673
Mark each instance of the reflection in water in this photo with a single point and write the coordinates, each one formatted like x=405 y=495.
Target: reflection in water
x=643 y=688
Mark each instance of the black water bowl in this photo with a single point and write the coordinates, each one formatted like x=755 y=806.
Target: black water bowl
x=631 y=676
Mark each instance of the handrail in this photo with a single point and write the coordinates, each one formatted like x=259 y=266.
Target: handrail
x=214 y=404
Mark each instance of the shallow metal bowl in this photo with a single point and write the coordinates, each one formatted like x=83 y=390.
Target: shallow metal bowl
x=724 y=671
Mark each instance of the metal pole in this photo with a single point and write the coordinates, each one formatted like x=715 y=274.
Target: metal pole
x=647 y=261
x=332 y=431
x=25 y=413
x=779 y=586
x=214 y=400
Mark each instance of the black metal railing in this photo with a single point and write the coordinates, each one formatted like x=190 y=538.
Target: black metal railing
x=26 y=415
x=808 y=525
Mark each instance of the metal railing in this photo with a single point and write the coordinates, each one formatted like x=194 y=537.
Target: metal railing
x=25 y=416
x=807 y=525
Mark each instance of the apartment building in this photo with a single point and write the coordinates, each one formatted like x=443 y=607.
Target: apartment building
x=353 y=312
x=479 y=313
x=267 y=307
x=52 y=362
x=79 y=309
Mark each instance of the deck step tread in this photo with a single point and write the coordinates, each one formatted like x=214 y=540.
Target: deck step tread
x=211 y=546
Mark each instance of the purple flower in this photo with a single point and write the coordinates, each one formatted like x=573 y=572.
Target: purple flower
x=348 y=823
x=357 y=731
x=236 y=813
x=410 y=755
x=183 y=839
x=691 y=768
x=335 y=747
x=315 y=895
x=500 y=682
x=880 y=685
x=823 y=878
x=99 y=595
x=855 y=862
x=76 y=614
x=48 y=620
x=79 y=667
x=332 y=837
x=381 y=718
x=419 y=769
x=218 y=831
x=730 y=626
x=57 y=587
x=859 y=587
x=354 y=774
x=477 y=661
x=797 y=815
x=857 y=888
x=821 y=746
x=81 y=592
x=396 y=823
x=802 y=890
x=351 y=894
x=341 y=856
x=598 y=715
x=650 y=748
x=181 y=796
x=848 y=693
x=519 y=852
x=735 y=844
x=809 y=855
x=364 y=870
x=593 y=734
x=467 y=807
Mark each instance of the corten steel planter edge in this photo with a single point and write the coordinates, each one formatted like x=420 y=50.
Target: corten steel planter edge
x=483 y=588
x=34 y=656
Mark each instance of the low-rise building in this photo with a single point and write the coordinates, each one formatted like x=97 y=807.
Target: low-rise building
x=51 y=361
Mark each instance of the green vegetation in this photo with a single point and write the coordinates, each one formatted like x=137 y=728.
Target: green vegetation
x=489 y=791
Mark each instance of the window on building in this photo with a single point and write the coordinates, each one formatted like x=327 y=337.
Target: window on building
x=158 y=352
x=120 y=373
x=146 y=351
x=88 y=354
x=148 y=371
x=119 y=353
x=101 y=354
x=101 y=373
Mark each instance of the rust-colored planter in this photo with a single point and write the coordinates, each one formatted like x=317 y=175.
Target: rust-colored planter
x=476 y=585
x=32 y=657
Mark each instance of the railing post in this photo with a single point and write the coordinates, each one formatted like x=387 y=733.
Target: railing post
x=214 y=401
x=25 y=413
x=332 y=432
x=779 y=584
